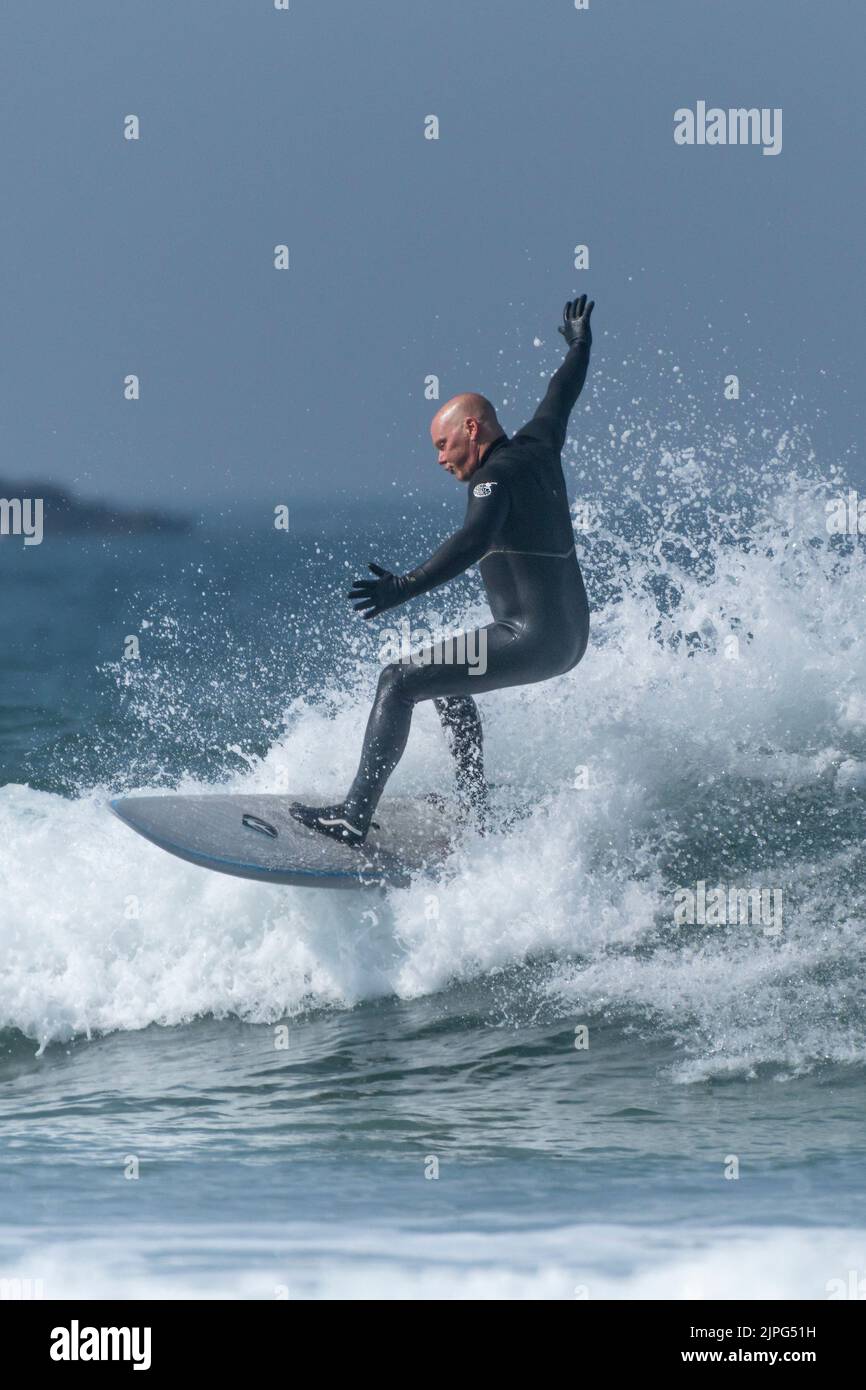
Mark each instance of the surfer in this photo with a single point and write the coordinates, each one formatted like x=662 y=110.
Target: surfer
x=518 y=530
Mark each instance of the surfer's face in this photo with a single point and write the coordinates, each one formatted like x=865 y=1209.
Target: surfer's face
x=457 y=447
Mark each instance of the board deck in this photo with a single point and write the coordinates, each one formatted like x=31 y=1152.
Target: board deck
x=210 y=831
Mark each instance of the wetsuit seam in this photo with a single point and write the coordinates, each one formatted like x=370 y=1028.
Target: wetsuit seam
x=545 y=554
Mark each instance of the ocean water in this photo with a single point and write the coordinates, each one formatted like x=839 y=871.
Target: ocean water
x=214 y=1088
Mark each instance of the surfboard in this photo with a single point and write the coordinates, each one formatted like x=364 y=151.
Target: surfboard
x=254 y=836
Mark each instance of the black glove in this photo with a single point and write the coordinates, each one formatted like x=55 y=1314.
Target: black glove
x=376 y=595
x=575 y=321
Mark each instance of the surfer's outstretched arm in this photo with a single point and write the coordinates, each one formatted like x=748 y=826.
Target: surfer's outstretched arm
x=550 y=420
x=485 y=513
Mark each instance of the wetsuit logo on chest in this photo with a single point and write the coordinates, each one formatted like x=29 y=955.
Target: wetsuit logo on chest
x=483 y=489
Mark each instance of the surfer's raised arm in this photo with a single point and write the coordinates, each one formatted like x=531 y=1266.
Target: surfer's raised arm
x=550 y=421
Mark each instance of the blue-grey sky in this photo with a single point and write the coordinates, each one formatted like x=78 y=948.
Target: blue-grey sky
x=408 y=256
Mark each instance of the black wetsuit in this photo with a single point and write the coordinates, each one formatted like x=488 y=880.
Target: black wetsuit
x=518 y=529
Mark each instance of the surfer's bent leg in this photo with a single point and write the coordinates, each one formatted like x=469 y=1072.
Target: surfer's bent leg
x=462 y=724
x=441 y=673
x=384 y=744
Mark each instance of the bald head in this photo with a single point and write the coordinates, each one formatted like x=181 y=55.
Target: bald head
x=468 y=405
x=461 y=429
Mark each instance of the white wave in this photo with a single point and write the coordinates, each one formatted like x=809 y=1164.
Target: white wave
x=582 y=1263
x=652 y=740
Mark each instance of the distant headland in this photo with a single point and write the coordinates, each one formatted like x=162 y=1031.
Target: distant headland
x=64 y=514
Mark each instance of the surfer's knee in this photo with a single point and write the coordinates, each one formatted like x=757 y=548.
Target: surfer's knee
x=393 y=683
